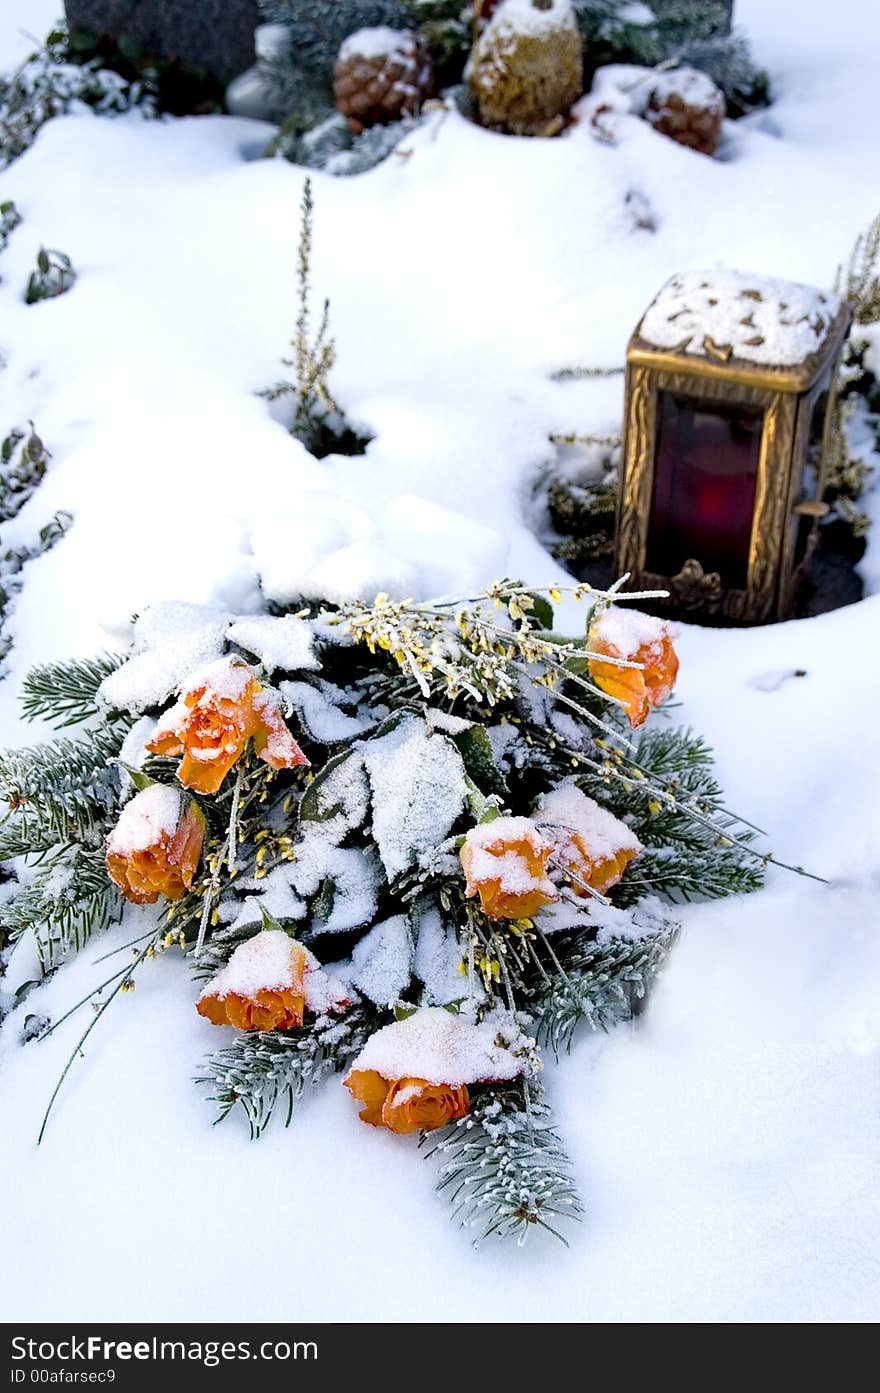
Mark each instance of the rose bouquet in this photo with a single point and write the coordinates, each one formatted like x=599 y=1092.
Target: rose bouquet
x=415 y=845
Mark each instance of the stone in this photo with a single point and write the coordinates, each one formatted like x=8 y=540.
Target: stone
x=215 y=36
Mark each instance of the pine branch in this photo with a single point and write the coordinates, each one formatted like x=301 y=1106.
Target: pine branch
x=684 y=859
x=603 y=983
x=60 y=792
x=65 y=694
x=262 y=1069
x=504 y=1168
x=69 y=900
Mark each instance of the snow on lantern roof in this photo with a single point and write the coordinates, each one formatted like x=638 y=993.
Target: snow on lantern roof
x=720 y=314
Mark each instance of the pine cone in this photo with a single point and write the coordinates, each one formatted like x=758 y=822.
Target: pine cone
x=687 y=106
x=526 y=68
x=381 y=75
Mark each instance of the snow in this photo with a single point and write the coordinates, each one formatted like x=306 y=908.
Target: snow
x=438 y=958
x=278 y=643
x=151 y=817
x=270 y=961
x=378 y=42
x=382 y=961
x=693 y=87
x=170 y=641
x=626 y=631
x=727 y=1146
x=23 y=24
x=514 y=17
x=440 y=1046
x=757 y=318
x=418 y=784
x=494 y=856
x=571 y=812
x=319 y=712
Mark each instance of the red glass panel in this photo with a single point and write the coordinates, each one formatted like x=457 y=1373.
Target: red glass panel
x=705 y=472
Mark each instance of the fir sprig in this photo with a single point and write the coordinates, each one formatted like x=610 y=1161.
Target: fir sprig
x=599 y=982
x=504 y=1168
x=263 y=1069
x=68 y=899
x=65 y=694
x=61 y=792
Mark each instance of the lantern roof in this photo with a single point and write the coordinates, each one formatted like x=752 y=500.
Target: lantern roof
x=719 y=322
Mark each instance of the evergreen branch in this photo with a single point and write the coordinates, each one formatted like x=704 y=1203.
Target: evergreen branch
x=65 y=694
x=69 y=899
x=503 y=1166
x=598 y=983
x=63 y=791
x=263 y=1068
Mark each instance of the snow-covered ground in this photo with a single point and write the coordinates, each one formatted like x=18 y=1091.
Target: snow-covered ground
x=729 y=1146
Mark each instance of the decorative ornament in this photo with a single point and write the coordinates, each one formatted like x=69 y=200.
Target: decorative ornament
x=220 y=709
x=505 y=863
x=155 y=847
x=643 y=663
x=730 y=402
x=526 y=67
x=381 y=75
x=687 y=106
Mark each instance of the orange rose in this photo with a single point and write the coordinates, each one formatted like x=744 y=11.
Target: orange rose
x=265 y=1010
x=589 y=842
x=262 y=987
x=637 y=638
x=505 y=863
x=155 y=846
x=406 y=1105
x=219 y=711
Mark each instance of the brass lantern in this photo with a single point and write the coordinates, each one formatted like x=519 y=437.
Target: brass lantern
x=730 y=387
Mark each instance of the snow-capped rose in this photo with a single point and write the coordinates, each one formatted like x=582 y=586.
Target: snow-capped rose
x=630 y=636
x=413 y=1075
x=220 y=709
x=406 y=1105
x=155 y=846
x=505 y=863
x=591 y=845
x=268 y=984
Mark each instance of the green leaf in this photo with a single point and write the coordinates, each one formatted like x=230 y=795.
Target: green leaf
x=475 y=748
x=43 y=260
x=402 y=1012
